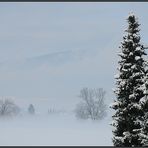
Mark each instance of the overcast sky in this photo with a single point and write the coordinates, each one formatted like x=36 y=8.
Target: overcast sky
x=52 y=50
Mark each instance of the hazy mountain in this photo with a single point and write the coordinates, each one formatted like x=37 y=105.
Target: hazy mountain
x=53 y=59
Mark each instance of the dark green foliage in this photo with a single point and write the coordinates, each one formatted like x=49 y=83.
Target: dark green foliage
x=130 y=88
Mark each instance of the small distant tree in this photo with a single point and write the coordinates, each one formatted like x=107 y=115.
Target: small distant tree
x=92 y=105
x=31 y=109
x=8 y=108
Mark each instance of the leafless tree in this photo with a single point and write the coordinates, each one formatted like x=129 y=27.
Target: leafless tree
x=82 y=111
x=92 y=104
x=8 y=107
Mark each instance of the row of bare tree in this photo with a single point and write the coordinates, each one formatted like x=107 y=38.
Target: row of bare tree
x=92 y=105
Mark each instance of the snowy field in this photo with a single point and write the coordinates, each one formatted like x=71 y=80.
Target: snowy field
x=61 y=129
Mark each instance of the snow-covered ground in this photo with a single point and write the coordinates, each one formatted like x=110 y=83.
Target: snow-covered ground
x=61 y=129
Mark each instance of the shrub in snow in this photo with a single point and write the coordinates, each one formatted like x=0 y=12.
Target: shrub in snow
x=130 y=89
x=92 y=105
x=31 y=109
x=55 y=111
x=8 y=108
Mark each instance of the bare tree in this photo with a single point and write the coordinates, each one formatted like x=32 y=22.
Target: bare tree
x=82 y=111
x=92 y=104
x=8 y=107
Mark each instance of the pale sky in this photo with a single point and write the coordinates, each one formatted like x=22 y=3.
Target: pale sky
x=54 y=49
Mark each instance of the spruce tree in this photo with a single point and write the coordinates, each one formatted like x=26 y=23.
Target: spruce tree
x=144 y=119
x=130 y=83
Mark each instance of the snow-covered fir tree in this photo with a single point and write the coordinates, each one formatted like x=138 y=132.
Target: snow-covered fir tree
x=144 y=120
x=130 y=88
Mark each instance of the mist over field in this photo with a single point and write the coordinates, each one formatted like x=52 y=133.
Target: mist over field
x=54 y=130
x=49 y=52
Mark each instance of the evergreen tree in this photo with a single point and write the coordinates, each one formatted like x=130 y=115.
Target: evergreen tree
x=144 y=120
x=31 y=109
x=130 y=88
